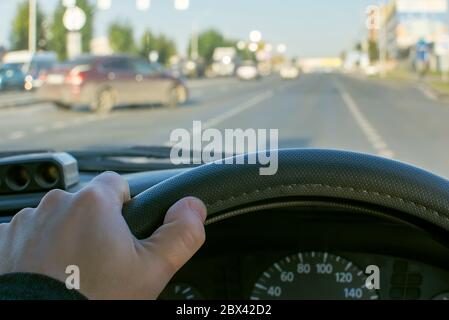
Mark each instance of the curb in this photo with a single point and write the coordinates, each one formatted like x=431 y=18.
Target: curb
x=12 y=104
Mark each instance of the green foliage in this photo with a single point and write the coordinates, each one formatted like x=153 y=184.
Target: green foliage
x=58 y=41
x=19 y=31
x=373 y=51
x=162 y=44
x=121 y=37
x=208 y=41
x=246 y=54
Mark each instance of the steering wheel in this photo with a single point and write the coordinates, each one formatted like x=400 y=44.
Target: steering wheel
x=420 y=197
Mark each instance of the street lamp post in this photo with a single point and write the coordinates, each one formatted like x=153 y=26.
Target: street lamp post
x=32 y=26
x=383 y=40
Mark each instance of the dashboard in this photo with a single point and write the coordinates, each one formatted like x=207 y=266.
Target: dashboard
x=312 y=253
x=311 y=250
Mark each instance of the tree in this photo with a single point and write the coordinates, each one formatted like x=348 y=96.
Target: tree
x=121 y=37
x=373 y=51
x=20 y=28
x=246 y=54
x=58 y=41
x=164 y=46
x=208 y=41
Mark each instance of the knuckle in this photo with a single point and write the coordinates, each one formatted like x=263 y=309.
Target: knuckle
x=54 y=196
x=193 y=235
x=22 y=216
x=113 y=177
x=90 y=195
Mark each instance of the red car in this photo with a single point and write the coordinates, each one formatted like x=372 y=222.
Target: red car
x=103 y=82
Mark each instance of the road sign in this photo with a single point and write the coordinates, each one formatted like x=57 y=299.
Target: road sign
x=422 y=50
x=74 y=19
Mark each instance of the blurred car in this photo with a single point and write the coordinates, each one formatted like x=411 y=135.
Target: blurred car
x=248 y=71
x=289 y=72
x=103 y=82
x=32 y=65
x=40 y=63
x=11 y=77
x=224 y=62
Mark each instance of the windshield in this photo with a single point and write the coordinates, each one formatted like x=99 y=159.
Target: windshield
x=360 y=75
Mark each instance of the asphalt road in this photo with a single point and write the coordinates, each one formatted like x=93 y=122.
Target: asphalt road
x=400 y=121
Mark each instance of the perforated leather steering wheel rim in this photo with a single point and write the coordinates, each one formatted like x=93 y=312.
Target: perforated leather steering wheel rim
x=311 y=173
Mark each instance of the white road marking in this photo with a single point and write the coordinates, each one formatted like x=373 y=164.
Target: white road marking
x=17 y=135
x=59 y=125
x=428 y=93
x=40 y=129
x=237 y=110
x=214 y=121
x=373 y=136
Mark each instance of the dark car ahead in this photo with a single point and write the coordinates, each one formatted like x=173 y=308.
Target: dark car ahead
x=102 y=82
x=12 y=77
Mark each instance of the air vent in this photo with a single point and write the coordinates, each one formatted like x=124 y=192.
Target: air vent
x=38 y=173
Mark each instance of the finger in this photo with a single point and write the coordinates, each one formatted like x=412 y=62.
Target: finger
x=181 y=236
x=113 y=186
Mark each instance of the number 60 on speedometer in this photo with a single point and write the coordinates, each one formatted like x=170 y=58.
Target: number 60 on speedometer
x=313 y=276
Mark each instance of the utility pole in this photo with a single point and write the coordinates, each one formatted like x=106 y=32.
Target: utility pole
x=32 y=27
x=383 y=40
x=194 y=46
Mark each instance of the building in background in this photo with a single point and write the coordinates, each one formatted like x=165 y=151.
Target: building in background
x=411 y=21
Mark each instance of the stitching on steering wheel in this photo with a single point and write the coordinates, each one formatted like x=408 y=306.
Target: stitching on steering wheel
x=372 y=193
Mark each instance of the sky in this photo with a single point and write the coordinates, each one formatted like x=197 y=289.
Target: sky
x=309 y=28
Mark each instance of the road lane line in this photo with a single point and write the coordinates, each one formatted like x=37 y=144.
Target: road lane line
x=254 y=101
x=237 y=110
x=428 y=93
x=40 y=129
x=373 y=136
x=59 y=125
x=17 y=135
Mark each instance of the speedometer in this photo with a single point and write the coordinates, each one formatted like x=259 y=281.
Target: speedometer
x=313 y=276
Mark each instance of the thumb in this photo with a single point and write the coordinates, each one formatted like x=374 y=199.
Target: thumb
x=179 y=238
